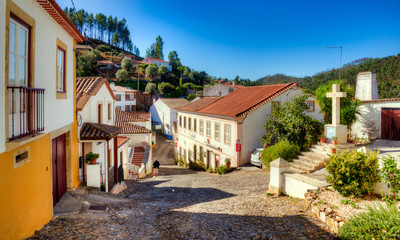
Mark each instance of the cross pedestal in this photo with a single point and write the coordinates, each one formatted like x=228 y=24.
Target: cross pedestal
x=336 y=129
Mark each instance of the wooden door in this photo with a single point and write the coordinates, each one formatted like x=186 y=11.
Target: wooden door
x=208 y=159
x=390 y=123
x=59 y=168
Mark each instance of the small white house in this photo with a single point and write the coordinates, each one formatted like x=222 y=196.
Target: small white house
x=163 y=112
x=125 y=98
x=379 y=118
x=158 y=62
x=216 y=128
x=221 y=90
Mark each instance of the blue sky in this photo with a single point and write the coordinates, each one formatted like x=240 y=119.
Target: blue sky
x=256 y=38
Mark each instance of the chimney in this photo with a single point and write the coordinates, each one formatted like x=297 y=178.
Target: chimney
x=366 y=86
x=112 y=85
x=233 y=84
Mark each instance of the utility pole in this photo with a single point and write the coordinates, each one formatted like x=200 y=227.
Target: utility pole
x=340 y=69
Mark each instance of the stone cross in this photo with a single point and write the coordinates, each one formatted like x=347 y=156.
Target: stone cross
x=336 y=95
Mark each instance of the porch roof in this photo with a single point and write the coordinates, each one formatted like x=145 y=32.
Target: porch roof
x=98 y=131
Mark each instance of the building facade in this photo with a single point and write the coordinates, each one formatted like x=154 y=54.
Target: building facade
x=221 y=90
x=214 y=129
x=125 y=98
x=38 y=140
x=158 y=62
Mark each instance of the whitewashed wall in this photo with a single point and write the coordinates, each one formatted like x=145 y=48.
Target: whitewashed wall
x=160 y=112
x=136 y=140
x=215 y=90
x=123 y=102
x=2 y=76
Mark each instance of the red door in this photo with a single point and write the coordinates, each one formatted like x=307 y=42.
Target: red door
x=390 y=120
x=59 y=168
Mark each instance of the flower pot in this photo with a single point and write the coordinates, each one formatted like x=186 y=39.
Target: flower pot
x=323 y=140
x=335 y=142
x=334 y=150
x=93 y=161
x=228 y=164
x=153 y=146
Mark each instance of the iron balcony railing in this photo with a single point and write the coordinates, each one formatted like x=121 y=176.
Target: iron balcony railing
x=25 y=111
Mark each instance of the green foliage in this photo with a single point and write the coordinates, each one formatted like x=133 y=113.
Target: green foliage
x=174 y=60
x=289 y=123
x=191 y=96
x=348 y=105
x=87 y=63
x=221 y=169
x=122 y=75
x=376 y=223
x=150 y=87
x=115 y=38
x=151 y=71
x=180 y=162
x=165 y=88
x=91 y=156
x=197 y=166
x=282 y=149
x=156 y=49
x=353 y=173
x=127 y=64
x=163 y=71
x=391 y=176
x=105 y=48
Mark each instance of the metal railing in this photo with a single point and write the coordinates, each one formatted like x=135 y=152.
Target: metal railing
x=25 y=111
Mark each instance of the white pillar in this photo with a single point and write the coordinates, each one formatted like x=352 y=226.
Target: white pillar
x=276 y=178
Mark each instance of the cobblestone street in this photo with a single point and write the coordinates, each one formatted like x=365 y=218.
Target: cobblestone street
x=184 y=204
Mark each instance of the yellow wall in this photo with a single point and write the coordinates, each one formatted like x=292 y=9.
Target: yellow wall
x=74 y=134
x=25 y=192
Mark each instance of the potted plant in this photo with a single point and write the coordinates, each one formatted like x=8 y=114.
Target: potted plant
x=322 y=138
x=228 y=162
x=91 y=158
x=335 y=141
x=334 y=150
x=153 y=145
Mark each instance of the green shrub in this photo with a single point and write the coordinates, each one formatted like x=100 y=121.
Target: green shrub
x=104 y=48
x=375 y=223
x=353 y=173
x=221 y=169
x=191 y=96
x=180 y=161
x=391 y=176
x=282 y=149
x=197 y=166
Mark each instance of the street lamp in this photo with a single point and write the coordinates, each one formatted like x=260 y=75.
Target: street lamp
x=340 y=69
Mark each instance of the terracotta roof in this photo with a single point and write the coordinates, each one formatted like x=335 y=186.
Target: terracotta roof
x=97 y=131
x=52 y=8
x=123 y=89
x=104 y=62
x=199 y=104
x=244 y=100
x=382 y=100
x=174 y=102
x=122 y=116
x=121 y=140
x=156 y=59
x=89 y=86
x=139 y=62
x=129 y=128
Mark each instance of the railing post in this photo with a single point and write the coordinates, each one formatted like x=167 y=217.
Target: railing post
x=12 y=111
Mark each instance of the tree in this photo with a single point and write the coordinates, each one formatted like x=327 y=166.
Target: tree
x=81 y=17
x=165 y=88
x=111 y=27
x=163 y=71
x=174 y=60
x=150 y=87
x=115 y=38
x=156 y=49
x=101 y=20
x=122 y=75
x=87 y=63
x=127 y=64
x=191 y=96
x=186 y=71
x=151 y=71
x=136 y=51
x=90 y=23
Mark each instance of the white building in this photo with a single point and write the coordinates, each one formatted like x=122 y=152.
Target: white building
x=379 y=118
x=221 y=89
x=158 y=62
x=163 y=112
x=125 y=98
x=231 y=127
x=97 y=132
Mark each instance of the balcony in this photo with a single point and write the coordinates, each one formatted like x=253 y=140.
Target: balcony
x=25 y=111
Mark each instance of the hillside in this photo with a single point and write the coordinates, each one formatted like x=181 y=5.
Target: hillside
x=387 y=70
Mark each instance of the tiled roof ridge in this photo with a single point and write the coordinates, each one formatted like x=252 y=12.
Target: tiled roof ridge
x=90 y=86
x=380 y=100
x=120 y=117
x=98 y=127
x=262 y=102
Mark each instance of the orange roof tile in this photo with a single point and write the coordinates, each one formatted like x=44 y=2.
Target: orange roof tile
x=123 y=89
x=121 y=140
x=156 y=59
x=244 y=100
x=89 y=86
x=122 y=116
x=98 y=131
x=52 y=8
x=129 y=128
x=199 y=104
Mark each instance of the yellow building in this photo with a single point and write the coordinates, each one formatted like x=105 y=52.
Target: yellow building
x=38 y=128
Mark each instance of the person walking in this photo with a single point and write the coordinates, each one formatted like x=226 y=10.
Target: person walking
x=156 y=166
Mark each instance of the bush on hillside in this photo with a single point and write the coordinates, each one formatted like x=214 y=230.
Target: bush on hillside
x=353 y=173
x=105 y=48
x=150 y=87
x=127 y=64
x=221 y=169
x=375 y=223
x=165 y=88
x=281 y=149
x=122 y=75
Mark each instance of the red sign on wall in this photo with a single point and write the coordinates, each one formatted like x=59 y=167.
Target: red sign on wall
x=176 y=144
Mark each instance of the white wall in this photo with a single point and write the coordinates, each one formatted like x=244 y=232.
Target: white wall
x=162 y=113
x=136 y=140
x=2 y=76
x=214 y=91
x=368 y=124
x=125 y=154
x=123 y=102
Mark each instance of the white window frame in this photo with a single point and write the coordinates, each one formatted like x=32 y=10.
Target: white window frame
x=217 y=131
x=201 y=127
x=17 y=55
x=60 y=70
x=227 y=134
x=208 y=129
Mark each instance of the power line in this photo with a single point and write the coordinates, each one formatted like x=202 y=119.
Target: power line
x=72 y=1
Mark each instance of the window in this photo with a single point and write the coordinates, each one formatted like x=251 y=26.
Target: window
x=180 y=121
x=194 y=124
x=184 y=122
x=109 y=111
x=118 y=107
x=18 y=53
x=190 y=155
x=311 y=106
x=100 y=112
x=184 y=155
x=189 y=123
x=201 y=127
x=127 y=108
x=60 y=70
x=227 y=133
x=216 y=131
x=118 y=97
x=208 y=129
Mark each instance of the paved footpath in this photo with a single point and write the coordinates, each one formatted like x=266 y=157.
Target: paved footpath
x=184 y=204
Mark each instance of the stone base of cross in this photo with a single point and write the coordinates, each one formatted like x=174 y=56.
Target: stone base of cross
x=336 y=129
